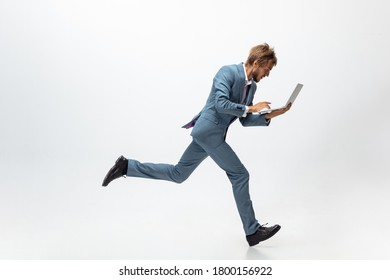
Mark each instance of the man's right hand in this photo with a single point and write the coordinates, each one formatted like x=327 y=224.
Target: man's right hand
x=259 y=106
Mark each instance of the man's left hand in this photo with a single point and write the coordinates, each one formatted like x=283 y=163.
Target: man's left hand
x=276 y=113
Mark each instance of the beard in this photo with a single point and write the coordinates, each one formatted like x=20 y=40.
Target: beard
x=256 y=76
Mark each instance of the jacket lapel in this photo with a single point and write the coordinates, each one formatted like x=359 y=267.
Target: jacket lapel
x=241 y=75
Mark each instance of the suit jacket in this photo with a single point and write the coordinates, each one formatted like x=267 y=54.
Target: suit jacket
x=223 y=107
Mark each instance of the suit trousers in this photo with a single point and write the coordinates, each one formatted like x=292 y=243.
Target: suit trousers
x=195 y=153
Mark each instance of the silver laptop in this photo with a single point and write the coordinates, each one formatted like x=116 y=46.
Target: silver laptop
x=290 y=100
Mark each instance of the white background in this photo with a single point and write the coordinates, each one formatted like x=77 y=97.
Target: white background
x=82 y=82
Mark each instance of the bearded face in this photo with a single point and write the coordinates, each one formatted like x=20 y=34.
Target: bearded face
x=259 y=72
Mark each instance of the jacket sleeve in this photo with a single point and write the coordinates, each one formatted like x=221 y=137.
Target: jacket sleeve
x=254 y=120
x=222 y=86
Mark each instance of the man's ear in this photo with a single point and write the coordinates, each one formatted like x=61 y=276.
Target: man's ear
x=257 y=64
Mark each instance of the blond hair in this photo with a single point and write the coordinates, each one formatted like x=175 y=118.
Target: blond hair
x=261 y=53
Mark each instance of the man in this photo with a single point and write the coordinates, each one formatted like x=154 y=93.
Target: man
x=230 y=98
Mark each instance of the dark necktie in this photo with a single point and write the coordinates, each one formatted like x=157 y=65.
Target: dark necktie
x=245 y=95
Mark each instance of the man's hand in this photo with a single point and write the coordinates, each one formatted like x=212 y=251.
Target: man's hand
x=276 y=113
x=259 y=106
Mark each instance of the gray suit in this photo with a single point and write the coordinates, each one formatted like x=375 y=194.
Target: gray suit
x=222 y=108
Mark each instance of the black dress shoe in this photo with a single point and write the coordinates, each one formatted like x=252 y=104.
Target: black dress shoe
x=118 y=170
x=263 y=233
